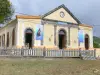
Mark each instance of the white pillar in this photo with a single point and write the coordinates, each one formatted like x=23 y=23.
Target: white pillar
x=17 y=34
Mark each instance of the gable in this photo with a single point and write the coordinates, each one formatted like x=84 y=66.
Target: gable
x=56 y=15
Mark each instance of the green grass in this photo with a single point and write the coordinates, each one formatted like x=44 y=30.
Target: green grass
x=49 y=67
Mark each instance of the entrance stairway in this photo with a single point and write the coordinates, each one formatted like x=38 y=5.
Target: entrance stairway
x=87 y=56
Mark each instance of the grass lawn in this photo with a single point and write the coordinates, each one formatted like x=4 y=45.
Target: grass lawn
x=48 y=66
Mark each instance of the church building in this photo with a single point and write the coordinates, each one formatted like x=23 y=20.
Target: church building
x=58 y=28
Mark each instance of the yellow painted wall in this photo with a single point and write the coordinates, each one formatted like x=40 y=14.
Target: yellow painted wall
x=73 y=37
x=24 y=24
x=48 y=35
x=89 y=31
x=9 y=28
x=56 y=16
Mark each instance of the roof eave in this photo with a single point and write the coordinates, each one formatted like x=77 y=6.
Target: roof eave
x=27 y=17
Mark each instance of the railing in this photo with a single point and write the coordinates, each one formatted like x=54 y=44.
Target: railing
x=62 y=53
x=47 y=53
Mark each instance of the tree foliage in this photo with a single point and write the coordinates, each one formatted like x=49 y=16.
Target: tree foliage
x=6 y=11
x=96 y=42
x=96 y=45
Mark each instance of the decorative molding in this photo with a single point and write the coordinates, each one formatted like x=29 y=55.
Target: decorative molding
x=67 y=10
x=62 y=14
x=63 y=24
x=68 y=36
x=55 y=29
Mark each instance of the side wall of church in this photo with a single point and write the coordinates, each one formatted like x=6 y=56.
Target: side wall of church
x=48 y=37
x=4 y=30
x=89 y=31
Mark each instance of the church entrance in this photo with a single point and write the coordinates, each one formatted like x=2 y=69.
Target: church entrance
x=86 y=41
x=62 y=39
x=28 y=37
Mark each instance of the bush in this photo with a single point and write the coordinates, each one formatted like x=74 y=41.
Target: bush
x=96 y=45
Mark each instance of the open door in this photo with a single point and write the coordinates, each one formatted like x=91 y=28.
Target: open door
x=62 y=39
x=86 y=41
x=28 y=37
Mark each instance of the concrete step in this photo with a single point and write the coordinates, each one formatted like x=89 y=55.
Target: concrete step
x=89 y=58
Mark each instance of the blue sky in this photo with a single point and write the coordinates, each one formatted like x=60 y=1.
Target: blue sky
x=87 y=11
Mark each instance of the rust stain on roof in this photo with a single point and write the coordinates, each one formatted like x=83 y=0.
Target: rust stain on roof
x=85 y=25
x=27 y=17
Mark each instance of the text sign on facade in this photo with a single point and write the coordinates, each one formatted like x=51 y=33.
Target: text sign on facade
x=61 y=23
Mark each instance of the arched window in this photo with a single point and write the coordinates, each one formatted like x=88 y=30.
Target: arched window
x=0 y=41
x=3 y=39
x=87 y=40
x=13 y=37
x=7 y=39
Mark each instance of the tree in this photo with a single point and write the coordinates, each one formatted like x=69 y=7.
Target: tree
x=96 y=42
x=96 y=45
x=6 y=11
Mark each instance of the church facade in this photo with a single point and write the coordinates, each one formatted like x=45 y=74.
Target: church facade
x=58 y=28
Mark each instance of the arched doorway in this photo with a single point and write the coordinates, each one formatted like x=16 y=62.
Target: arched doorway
x=28 y=37
x=86 y=41
x=62 y=39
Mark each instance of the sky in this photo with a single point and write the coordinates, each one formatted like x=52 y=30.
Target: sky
x=87 y=11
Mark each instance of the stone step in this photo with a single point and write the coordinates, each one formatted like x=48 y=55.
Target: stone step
x=89 y=58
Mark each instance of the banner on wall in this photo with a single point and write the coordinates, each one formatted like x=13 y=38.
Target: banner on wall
x=81 y=36
x=39 y=32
